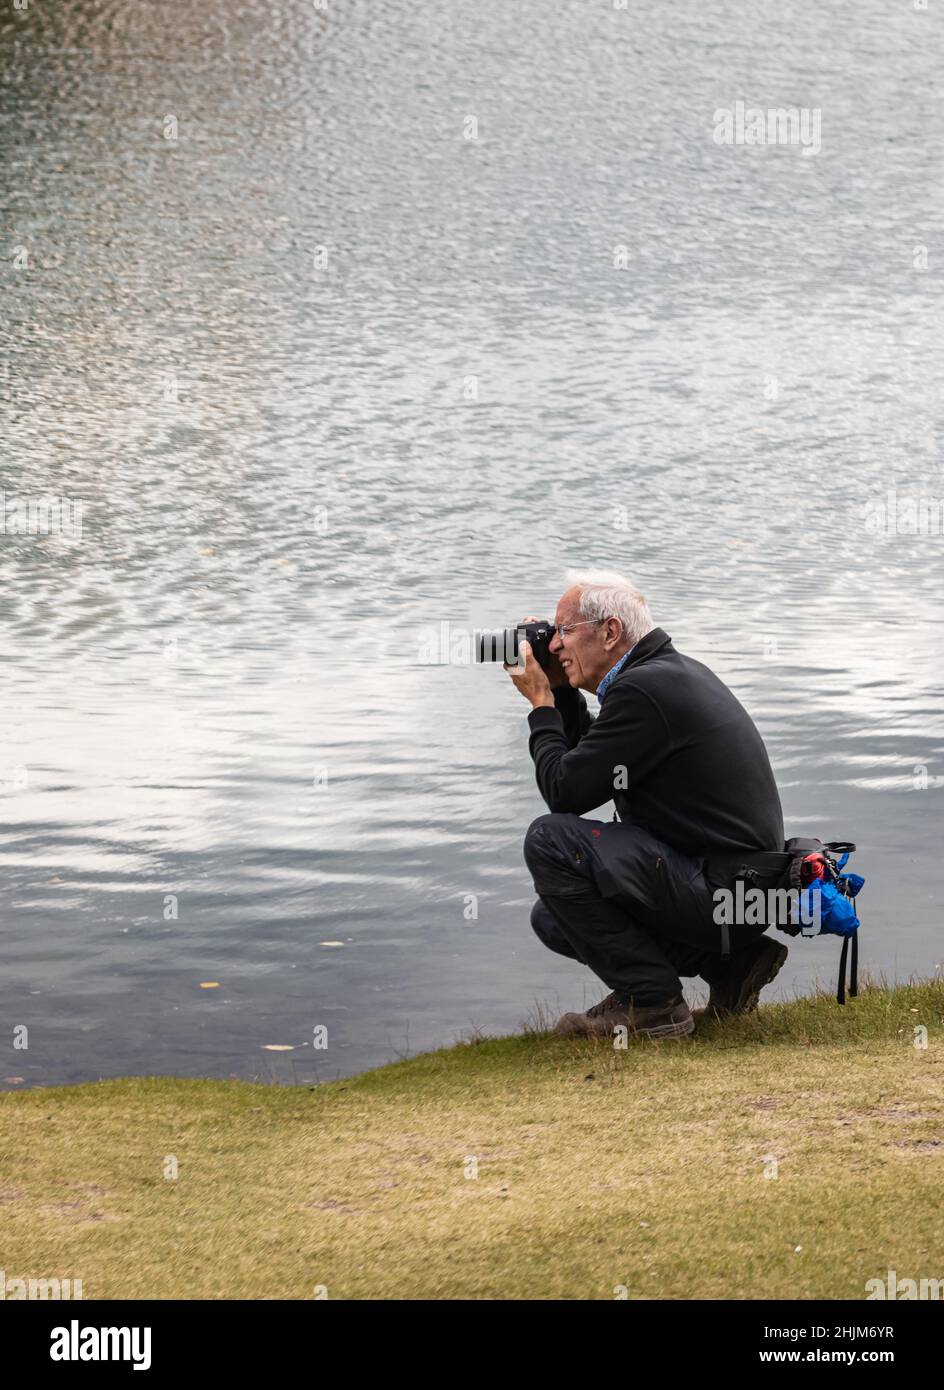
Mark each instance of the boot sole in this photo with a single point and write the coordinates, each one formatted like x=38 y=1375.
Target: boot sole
x=682 y=1029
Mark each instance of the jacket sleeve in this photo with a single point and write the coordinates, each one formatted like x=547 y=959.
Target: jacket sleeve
x=622 y=745
x=575 y=716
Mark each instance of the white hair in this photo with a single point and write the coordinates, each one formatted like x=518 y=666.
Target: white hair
x=605 y=594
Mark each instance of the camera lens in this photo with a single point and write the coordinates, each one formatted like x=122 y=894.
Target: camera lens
x=499 y=646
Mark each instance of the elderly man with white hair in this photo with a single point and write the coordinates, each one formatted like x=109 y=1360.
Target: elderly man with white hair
x=696 y=798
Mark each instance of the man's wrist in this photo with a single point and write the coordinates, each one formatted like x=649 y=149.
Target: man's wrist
x=545 y=702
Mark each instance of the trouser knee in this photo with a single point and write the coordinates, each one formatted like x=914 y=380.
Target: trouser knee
x=550 y=844
x=536 y=836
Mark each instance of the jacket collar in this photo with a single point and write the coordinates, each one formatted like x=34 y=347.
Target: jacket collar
x=653 y=642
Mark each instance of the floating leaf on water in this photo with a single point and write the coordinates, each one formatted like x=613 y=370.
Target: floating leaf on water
x=279 y=1047
x=331 y=943
x=209 y=984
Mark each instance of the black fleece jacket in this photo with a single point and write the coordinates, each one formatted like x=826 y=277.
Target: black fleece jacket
x=673 y=748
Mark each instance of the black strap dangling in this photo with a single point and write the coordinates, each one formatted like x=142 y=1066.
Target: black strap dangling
x=841 y=987
x=854 y=971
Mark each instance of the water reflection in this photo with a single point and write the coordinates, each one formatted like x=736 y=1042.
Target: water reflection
x=324 y=373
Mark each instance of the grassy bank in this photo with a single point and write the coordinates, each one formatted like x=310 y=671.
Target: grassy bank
x=595 y=1168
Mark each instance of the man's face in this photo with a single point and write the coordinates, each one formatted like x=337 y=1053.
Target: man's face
x=587 y=652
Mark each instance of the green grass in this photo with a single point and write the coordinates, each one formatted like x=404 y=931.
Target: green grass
x=595 y=1168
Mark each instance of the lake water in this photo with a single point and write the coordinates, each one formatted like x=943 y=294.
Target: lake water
x=344 y=322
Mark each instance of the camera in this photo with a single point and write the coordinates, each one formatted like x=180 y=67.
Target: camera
x=503 y=645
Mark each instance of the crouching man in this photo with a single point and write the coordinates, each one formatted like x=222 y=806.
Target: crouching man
x=684 y=764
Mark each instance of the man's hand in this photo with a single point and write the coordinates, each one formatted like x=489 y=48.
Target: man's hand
x=556 y=675
x=532 y=681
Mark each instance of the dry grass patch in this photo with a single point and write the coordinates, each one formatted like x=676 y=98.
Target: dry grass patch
x=524 y=1167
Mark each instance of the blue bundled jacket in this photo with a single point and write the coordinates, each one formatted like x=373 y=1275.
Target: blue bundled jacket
x=826 y=906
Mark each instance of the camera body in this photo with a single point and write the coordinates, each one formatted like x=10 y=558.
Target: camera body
x=503 y=644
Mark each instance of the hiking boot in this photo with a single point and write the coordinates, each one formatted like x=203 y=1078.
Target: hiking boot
x=737 y=990
x=670 y=1020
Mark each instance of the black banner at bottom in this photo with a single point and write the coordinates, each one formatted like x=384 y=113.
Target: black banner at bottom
x=158 y=1337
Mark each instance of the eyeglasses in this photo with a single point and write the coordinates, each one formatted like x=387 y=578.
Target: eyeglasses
x=562 y=629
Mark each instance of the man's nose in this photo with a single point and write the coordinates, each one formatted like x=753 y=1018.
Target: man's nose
x=555 y=644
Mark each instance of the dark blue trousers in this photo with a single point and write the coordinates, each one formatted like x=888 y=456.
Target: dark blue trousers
x=638 y=913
